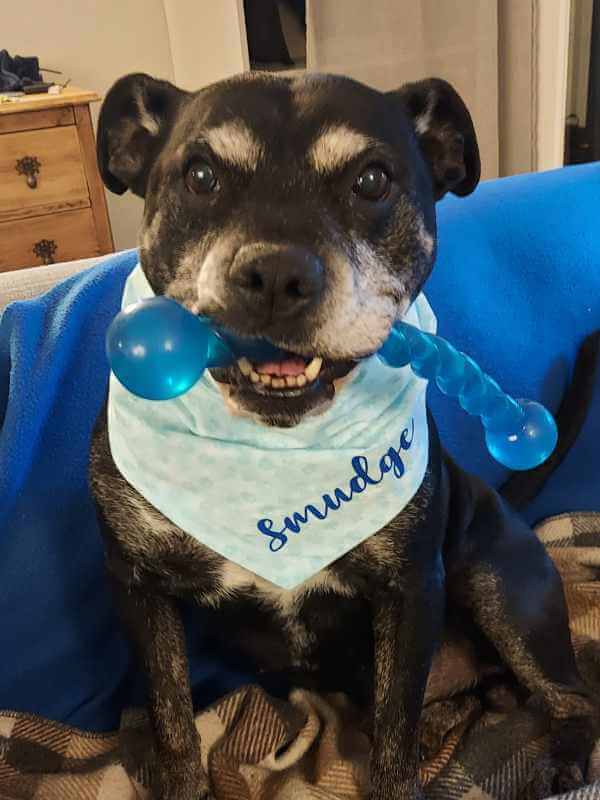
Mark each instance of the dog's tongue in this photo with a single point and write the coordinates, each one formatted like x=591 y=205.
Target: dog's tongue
x=289 y=366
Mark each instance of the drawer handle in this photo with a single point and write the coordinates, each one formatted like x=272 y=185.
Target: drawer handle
x=45 y=249
x=29 y=166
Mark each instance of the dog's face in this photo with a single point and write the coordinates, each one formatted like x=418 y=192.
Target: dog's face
x=298 y=210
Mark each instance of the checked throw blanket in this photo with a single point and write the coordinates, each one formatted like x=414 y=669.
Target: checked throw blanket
x=481 y=737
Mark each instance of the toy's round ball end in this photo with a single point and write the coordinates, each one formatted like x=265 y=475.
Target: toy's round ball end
x=157 y=349
x=531 y=444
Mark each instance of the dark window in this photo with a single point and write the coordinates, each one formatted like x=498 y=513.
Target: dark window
x=582 y=139
x=276 y=33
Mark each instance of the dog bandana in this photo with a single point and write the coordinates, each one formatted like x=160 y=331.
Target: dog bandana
x=282 y=503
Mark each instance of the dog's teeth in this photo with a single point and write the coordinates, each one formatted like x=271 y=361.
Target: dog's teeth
x=266 y=379
x=254 y=376
x=291 y=381
x=313 y=369
x=245 y=366
x=278 y=383
x=301 y=380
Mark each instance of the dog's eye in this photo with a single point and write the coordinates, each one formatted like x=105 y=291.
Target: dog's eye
x=200 y=178
x=373 y=183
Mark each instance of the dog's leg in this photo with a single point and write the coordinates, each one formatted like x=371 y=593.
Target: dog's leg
x=407 y=629
x=155 y=629
x=516 y=597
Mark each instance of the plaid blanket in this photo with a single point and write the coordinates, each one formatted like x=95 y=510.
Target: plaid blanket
x=481 y=737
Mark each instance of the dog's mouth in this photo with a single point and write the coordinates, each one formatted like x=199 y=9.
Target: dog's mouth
x=283 y=388
x=291 y=375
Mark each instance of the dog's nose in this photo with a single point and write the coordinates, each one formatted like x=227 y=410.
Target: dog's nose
x=285 y=279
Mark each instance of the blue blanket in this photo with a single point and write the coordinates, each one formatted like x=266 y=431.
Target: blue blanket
x=517 y=285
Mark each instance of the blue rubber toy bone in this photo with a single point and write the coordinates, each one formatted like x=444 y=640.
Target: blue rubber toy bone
x=158 y=350
x=520 y=434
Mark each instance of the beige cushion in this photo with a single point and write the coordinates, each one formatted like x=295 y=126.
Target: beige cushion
x=23 y=284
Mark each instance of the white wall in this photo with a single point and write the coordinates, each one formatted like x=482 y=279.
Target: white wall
x=208 y=40
x=389 y=42
x=552 y=54
x=580 y=39
x=95 y=42
x=196 y=42
x=517 y=113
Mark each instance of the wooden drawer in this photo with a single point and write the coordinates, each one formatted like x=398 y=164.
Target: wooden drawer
x=72 y=232
x=60 y=183
x=31 y=120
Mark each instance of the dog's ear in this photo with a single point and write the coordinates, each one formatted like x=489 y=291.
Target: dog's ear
x=135 y=121
x=445 y=133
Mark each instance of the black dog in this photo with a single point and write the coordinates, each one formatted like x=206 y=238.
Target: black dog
x=303 y=211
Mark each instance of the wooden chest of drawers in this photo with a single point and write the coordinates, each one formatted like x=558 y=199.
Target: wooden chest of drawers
x=52 y=203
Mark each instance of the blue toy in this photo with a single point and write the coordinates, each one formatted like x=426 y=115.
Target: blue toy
x=158 y=350
x=520 y=434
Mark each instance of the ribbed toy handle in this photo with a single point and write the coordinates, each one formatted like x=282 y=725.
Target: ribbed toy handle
x=520 y=434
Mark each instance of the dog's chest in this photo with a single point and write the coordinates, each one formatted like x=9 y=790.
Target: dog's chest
x=283 y=628
x=293 y=615
x=234 y=581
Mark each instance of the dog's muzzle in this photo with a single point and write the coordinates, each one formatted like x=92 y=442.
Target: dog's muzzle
x=275 y=282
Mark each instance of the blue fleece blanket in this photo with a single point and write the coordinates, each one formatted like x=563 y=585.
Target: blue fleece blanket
x=517 y=285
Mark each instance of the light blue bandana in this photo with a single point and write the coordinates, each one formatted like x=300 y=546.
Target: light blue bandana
x=283 y=503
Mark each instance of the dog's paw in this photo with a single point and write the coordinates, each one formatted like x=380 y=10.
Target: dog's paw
x=204 y=793
x=178 y=791
x=439 y=719
x=181 y=779
x=552 y=777
x=397 y=792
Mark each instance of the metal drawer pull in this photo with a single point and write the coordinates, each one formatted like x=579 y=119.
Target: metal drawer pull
x=29 y=166
x=45 y=249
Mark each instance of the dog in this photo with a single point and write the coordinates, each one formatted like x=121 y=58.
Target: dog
x=302 y=210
